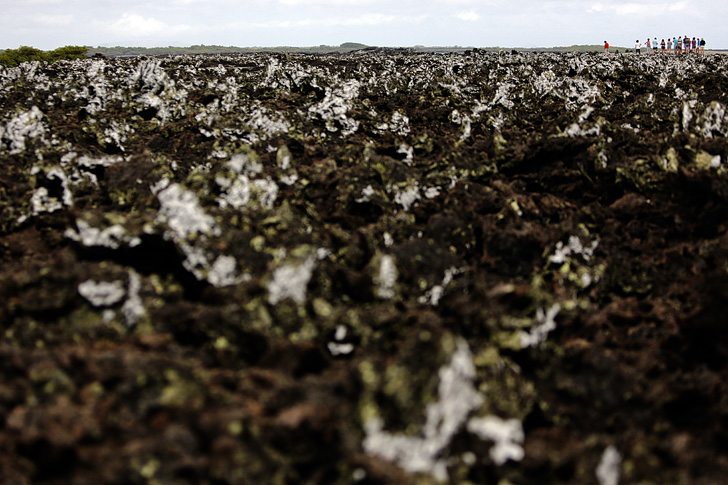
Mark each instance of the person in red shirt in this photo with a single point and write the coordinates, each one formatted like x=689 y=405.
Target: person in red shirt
x=606 y=47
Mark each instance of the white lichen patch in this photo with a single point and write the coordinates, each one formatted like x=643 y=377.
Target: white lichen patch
x=434 y=294
x=116 y=134
x=156 y=87
x=197 y=259
x=366 y=194
x=464 y=121
x=545 y=323
x=239 y=185
x=133 y=308
x=664 y=78
x=236 y=193
x=41 y=202
x=545 y=83
x=24 y=126
x=502 y=96
x=457 y=400
x=86 y=162
x=267 y=191
x=223 y=272
x=339 y=346
x=190 y=227
x=102 y=293
x=713 y=120
x=687 y=113
x=284 y=158
x=59 y=175
x=334 y=107
x=575 y=248
x=408 y=152
x=96 y=90
x=406 y=197
x=113 y=237
x=244 y=163
x=603 y=159
x=609 y=469
x=579 y=93
x=399 y=124
x=506 y=434
x=289 y=179
x=432 y=192
x=578 y=128
x=386 y=278
x=180 y=210
x=290 y=281
x=266 y=122
x=575 y=262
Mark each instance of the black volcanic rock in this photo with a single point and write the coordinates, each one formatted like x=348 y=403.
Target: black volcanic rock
x=378 y=267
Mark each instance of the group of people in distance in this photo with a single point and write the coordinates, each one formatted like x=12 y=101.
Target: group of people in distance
x=676 y=45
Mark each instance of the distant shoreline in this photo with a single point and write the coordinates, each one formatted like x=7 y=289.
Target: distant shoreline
x=347 y=47
x=343 y=48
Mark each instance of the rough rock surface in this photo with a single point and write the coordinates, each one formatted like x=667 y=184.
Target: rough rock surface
x=379 y=267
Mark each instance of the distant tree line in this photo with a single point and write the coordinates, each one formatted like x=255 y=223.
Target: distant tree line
x=14 y=57
x=158 y=51
x=217 y=49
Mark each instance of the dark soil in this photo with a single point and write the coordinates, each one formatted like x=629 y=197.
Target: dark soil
x=225 y=270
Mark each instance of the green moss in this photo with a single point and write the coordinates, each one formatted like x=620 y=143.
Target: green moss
x=703 y=160
x=671 y=161
x=181 y=391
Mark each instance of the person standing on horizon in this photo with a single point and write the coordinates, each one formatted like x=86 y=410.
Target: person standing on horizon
x=637 y=46
x=649 y=46
x=606 y=47
x=654 y=45
x=702 y=45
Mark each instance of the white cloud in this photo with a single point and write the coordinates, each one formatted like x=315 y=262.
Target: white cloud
x=371 y=19
x=335 y=3
x=55 y=19
x=136 y=25
x=633 y=8
x=469 y=16
x=361 y=20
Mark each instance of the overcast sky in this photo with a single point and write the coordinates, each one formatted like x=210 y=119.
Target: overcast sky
x=48 y=24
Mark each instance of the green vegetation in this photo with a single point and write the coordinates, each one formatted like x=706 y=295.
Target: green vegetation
x=14 y=57
x=169 y=50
